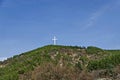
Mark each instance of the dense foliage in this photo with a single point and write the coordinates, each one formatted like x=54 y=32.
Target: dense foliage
x=55 y=62
x=93 y=50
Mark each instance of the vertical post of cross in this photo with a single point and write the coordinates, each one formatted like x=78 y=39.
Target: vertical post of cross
x=54 y=40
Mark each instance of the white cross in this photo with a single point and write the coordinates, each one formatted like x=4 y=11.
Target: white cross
x=54 y=40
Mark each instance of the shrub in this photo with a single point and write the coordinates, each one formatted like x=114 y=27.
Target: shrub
x=93 y=50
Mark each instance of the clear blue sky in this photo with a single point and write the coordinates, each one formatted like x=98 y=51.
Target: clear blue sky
x=29 y=24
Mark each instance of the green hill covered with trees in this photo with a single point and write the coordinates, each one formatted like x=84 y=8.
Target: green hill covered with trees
x=55 y=62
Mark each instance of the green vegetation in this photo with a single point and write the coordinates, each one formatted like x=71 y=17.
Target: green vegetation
x=55 y=62
x=93 y=50
x=106 y=62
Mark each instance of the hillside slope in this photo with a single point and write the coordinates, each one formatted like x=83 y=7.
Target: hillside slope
x=54 y=62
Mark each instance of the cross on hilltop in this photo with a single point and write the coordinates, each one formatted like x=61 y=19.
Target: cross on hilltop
x=54 y=40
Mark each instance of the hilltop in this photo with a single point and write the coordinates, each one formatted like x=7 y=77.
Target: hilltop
x=56 y=62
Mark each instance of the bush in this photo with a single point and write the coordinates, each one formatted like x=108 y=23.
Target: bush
x=107 y=62
x=93 y=50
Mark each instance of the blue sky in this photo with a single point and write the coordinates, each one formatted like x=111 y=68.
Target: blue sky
x=29 y=24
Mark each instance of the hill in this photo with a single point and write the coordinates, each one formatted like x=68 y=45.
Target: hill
x=55 y=62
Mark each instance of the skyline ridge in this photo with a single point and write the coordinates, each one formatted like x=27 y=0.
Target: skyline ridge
x=28 y=24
